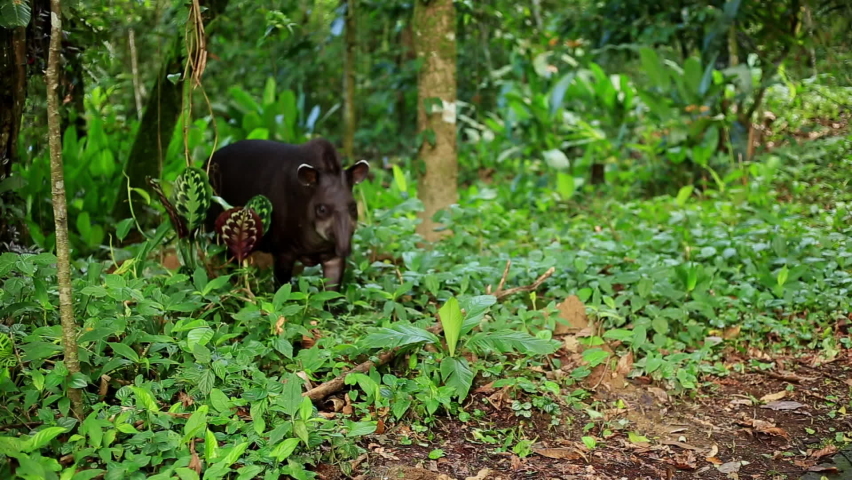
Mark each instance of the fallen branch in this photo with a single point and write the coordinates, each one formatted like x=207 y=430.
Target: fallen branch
x=332 y=386
x=321 y=391
x=500 y=293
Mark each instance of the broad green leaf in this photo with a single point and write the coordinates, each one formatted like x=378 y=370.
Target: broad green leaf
x=451 y=319
x=565 y=185
x=359 y=429
x=510 y=341
x=683 y=194
x=198 y=336
x=595 y=356
x=41 y=438
x=233 y=455
x=216 y=284
x=557 y=94
x=125 y=351
x=284 y=449
x=220 y=401
x=399 y=178
x=145 y=399
x=457 y=374
x=282 y=295
x=291 y=397
x=398 y=335
x=15 y=13
x=211 y=446
x=196 y=423
x=654 y=68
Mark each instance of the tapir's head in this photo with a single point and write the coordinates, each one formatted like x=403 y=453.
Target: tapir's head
x=331 y=210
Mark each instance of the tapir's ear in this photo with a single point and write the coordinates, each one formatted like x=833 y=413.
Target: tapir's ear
x=358 y=172
x=307 y=175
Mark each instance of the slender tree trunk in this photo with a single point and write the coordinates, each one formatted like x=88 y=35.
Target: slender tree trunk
x=435 y=43
x=349 y=121
x=13 y=91
x=137 y=87
x=60 y=213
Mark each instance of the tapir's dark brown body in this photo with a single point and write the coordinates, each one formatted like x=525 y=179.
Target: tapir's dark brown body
x=314 y=213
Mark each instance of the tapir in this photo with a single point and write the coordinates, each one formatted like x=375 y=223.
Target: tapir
x=314 y=213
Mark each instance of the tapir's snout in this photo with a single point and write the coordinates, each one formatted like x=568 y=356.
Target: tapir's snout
x=342 y=231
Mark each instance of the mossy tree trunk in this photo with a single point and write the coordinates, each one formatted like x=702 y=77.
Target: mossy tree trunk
x=60 y=212
x=349 y=119
x=435 y=43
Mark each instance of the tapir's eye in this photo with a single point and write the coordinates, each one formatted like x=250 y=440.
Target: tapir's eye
x=322 y=210
x=353 y=209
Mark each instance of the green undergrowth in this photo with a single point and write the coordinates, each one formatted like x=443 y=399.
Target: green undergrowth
x=184 y=372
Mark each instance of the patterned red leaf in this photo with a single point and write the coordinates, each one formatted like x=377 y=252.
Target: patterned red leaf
x=240 y=229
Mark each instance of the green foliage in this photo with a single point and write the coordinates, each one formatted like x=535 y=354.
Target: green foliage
x=14 y=13
x=181 y=368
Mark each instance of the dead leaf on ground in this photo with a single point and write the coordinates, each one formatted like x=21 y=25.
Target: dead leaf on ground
x=824 y=469
x=279 y=325
x=732 y=467
x=571 y=344
x=488 y=388
x=785 y=405
x=625 y=364
x=661 y=394
x=194 y=460
x=558 y=453
x=685 y=461
x=382 y=451
x=771 y=397
x=762 y=426
x=682 y=445
x=481 y=475
x=573 y=312
x=824 y=452
x=714 y=450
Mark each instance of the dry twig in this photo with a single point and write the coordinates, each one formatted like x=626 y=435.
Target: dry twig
x=500 y=293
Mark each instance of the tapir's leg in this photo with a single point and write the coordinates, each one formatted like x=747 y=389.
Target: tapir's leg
x=333 y=270
x=284 y=267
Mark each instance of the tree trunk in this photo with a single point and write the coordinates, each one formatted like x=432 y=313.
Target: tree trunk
x=349 y=67
x=435 y=43
x=13 y=92
x=162 y=111
x=60 y=213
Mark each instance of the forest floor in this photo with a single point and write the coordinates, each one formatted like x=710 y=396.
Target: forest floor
x=774 y=416
x=723 y=432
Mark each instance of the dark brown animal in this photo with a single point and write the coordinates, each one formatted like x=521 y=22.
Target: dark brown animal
x=314 y=214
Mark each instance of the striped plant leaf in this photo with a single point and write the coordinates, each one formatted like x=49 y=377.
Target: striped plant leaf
x=7 y=354
x=241 y=229
x=263 y=208
x=192 y=196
